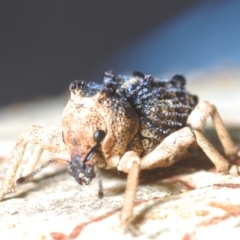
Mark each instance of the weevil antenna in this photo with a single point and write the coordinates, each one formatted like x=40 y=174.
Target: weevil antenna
x=98 y=136
x=100 y=186
x=36 y=171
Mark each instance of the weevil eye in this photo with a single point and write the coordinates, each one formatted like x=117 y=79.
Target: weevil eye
x=98 y=136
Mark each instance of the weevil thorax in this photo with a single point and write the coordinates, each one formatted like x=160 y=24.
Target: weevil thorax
x=91 y=110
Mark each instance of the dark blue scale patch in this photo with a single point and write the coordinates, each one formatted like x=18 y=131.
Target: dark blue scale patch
x=161 y=105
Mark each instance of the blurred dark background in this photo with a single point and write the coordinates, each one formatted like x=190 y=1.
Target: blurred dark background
x=45 y=45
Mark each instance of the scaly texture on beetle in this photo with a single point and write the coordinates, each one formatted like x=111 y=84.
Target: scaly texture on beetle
x=136 y=113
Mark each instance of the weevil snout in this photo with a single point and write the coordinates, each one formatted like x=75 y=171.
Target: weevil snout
x=81 y=171
x=84 y=170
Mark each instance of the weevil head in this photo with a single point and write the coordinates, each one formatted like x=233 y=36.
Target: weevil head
x=84 y=169
x=91 y=110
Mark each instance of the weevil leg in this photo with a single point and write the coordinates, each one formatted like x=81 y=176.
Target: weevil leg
x=221 y=164
x=173 y=147
x=131 y=163
x=170 y=150
x=197 y=121
x=163 y=155
x=33 y=160
x=48 y=139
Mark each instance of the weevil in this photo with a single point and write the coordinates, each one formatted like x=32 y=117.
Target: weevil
x=129 y=123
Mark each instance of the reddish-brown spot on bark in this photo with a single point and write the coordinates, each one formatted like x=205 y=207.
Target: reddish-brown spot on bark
x=4 y=159
x=184 y=183
x=58 y=236
x=188 y=236
x=227 y=185
x=231 y=211
x=229 y=208
x=78 y=229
